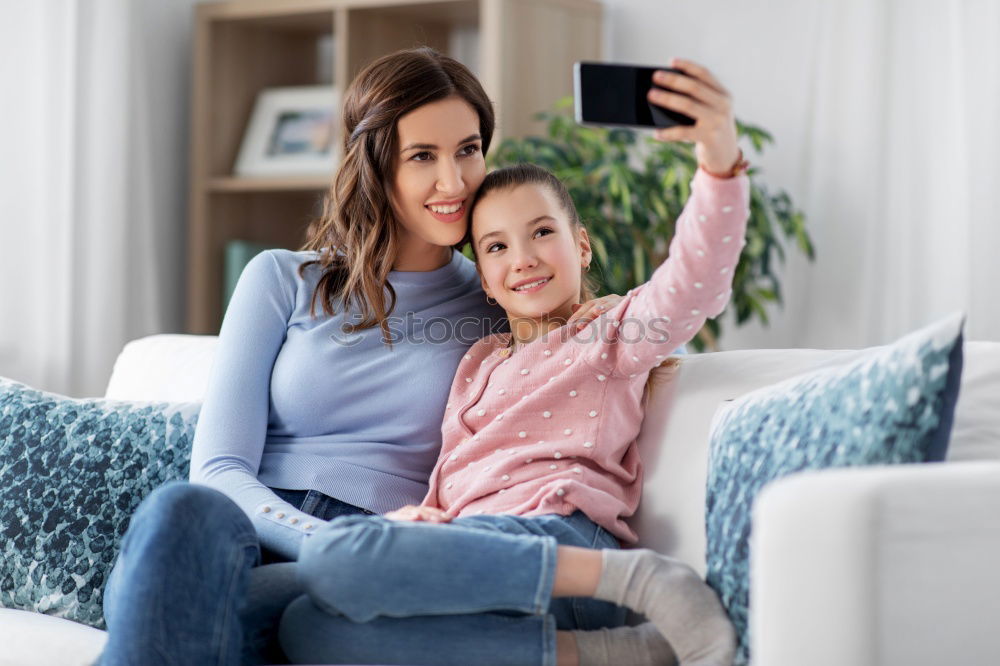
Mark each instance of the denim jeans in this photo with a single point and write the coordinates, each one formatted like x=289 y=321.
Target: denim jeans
x=475 y=591
x=189 y=586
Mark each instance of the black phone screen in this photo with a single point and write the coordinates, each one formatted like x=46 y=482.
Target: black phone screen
x=616 y=95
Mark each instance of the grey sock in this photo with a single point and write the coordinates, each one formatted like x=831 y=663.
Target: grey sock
x=675 y=599
x=643 y=645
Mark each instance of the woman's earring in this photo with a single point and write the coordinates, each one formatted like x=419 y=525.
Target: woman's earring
x=586 y=268
x=491 y=301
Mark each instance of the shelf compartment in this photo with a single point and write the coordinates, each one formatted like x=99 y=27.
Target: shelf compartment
x=277 y=184
x=244 y=57
x=261 y=217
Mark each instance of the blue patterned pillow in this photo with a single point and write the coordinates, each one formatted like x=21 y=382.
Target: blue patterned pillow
x=72 y=472
x=893 y=405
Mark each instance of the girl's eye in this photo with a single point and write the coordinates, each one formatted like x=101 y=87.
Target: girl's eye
x=545 y=231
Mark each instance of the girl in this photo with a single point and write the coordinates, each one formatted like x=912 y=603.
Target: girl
x=539 y=451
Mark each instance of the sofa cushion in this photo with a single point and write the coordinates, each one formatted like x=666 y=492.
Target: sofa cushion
x=893 y=405
x=33 y=639
x=72 y=472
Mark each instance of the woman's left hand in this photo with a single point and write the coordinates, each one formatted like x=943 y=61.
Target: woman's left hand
x=417 y=513
x=591 y=310
x=711 y=106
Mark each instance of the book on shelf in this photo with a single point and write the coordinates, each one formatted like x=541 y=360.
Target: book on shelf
x=238 y=254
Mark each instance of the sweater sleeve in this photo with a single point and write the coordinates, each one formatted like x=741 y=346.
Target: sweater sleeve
x=693 y=284
x=232 y=427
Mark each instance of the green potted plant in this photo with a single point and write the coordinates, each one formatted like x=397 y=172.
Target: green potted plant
x=629 y=192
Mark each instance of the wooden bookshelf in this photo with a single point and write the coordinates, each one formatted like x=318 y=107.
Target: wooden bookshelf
x=522 y=51
x=290 y=184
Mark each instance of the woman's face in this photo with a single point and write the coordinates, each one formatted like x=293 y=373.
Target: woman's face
x=529 y=256
x=439 y=167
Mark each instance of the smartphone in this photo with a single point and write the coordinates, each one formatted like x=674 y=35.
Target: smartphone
x=615 y=94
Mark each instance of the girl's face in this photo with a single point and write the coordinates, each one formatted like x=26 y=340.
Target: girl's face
x=529 y=256
x=439 y=167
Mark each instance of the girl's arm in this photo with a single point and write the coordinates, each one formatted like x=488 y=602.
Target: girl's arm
x=229 y=440
x=694 y=283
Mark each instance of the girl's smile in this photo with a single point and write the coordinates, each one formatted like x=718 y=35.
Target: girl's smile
x=531 y=285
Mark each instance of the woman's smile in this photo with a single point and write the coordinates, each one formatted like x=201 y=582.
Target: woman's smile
x=447 y=211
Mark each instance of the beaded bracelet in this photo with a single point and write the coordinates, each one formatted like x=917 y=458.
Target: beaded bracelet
x=738 y=168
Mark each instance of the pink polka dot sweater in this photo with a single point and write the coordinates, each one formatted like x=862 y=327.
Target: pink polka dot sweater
x=552 y=428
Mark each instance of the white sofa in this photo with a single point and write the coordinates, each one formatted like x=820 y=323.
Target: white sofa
x=879 y=566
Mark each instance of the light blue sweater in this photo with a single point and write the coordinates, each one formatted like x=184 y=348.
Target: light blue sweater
x=294 y=402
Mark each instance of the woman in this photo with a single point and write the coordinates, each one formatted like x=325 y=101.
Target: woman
x=330 y=379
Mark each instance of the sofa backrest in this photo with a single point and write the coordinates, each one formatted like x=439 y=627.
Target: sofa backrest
x=674 y=437
x=169 y=368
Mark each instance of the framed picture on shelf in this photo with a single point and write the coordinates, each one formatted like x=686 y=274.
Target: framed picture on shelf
x=290 y=133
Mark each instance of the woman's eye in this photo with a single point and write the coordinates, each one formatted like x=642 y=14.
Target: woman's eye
x=419 y=157
x=471 y=149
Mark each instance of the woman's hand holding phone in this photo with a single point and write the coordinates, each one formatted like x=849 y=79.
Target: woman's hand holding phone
x=705 y=100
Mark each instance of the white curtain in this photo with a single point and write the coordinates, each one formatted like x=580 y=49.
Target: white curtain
x=885 y=114
x=92 y=183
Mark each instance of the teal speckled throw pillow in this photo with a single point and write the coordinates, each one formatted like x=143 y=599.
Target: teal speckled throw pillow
x=72 y=472
x=894 y=405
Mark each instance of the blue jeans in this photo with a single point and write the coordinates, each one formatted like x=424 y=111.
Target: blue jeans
x=189 y=586
x=475 y=591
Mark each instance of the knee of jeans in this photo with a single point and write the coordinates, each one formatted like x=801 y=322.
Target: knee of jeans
x=349 y=540
x=335 y=561
x=186 y=508
x=301 y=627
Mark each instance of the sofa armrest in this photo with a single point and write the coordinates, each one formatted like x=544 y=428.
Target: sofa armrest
x=877 y=566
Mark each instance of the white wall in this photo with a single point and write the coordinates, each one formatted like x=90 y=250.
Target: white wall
x=881 y=113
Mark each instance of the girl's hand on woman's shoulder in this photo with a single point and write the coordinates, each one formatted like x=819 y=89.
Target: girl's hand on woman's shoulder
x=415 y=513
x=703 y=98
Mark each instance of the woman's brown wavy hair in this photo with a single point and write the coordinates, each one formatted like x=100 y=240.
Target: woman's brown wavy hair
x=357 y=236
